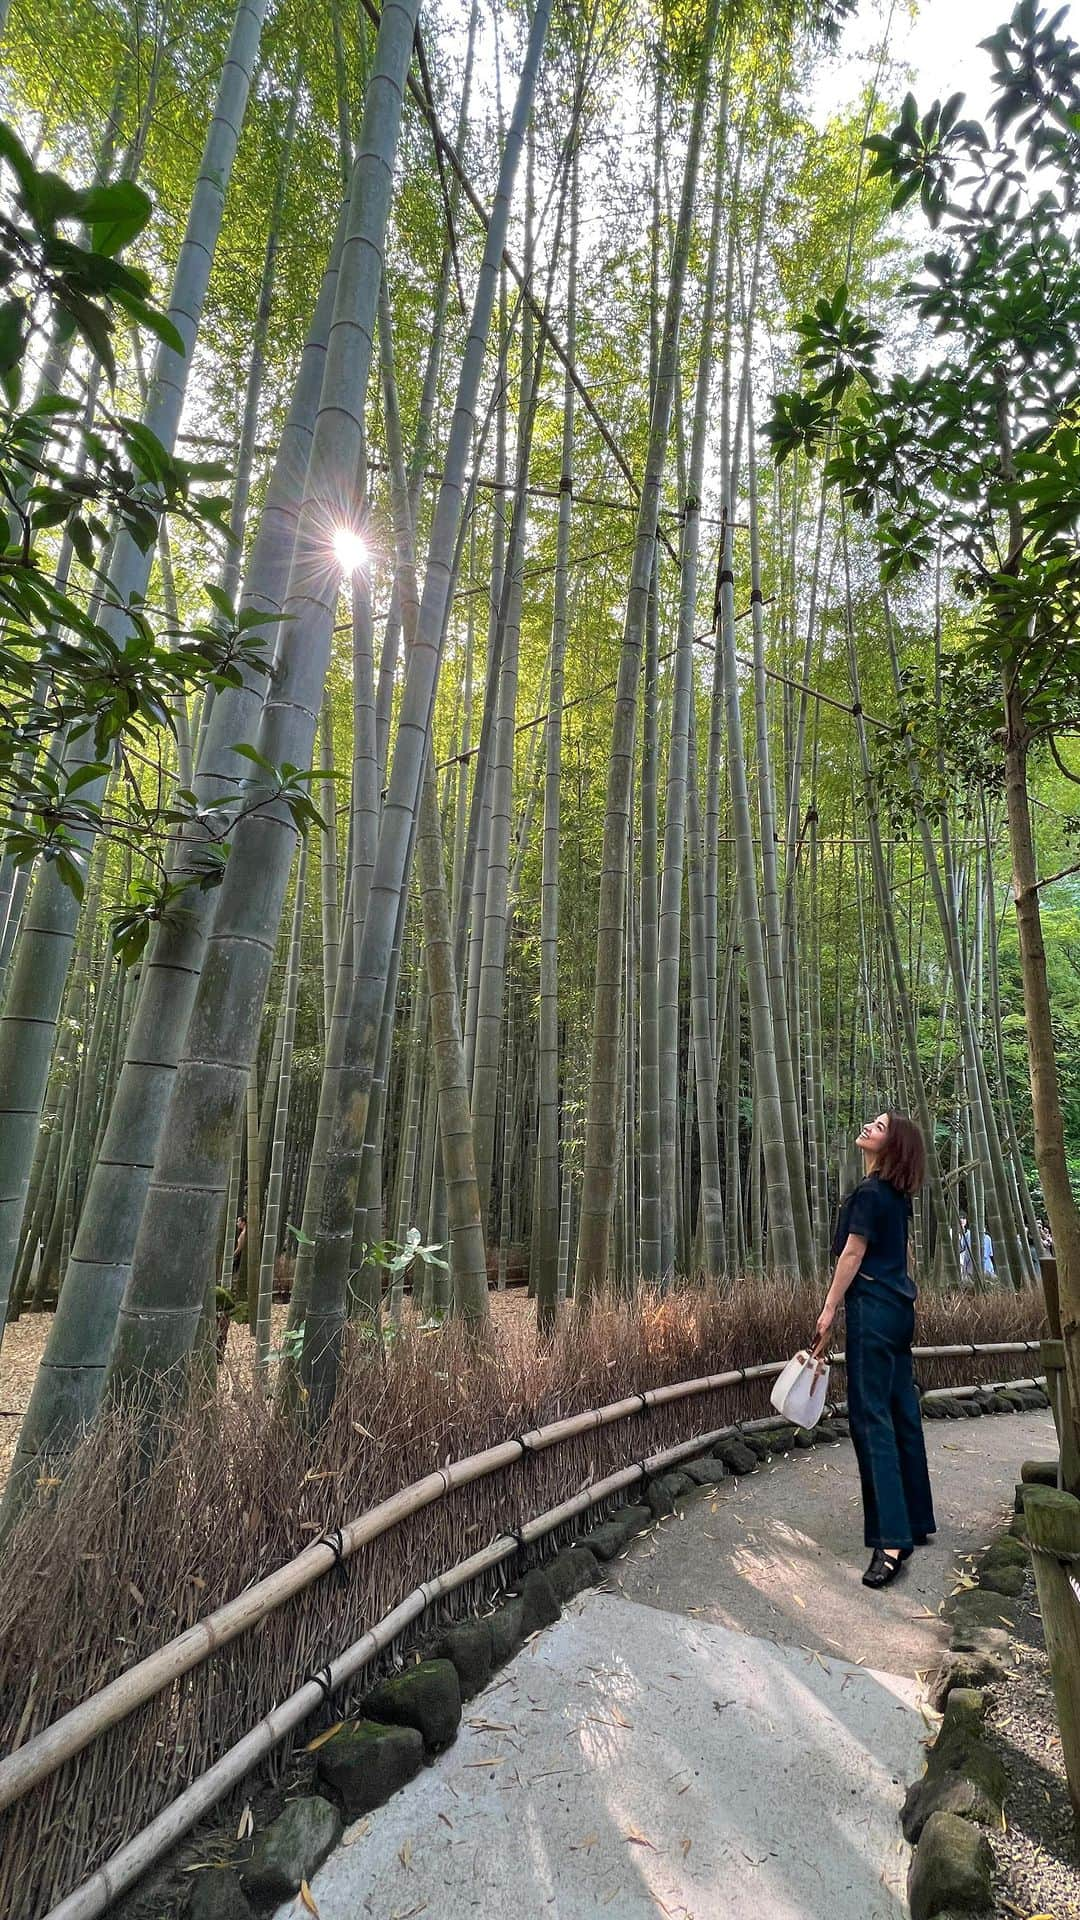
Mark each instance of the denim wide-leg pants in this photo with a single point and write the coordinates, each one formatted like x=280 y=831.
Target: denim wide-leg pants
x=883 y=1411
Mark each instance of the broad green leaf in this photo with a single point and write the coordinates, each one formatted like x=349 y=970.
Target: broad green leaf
x=115 y=213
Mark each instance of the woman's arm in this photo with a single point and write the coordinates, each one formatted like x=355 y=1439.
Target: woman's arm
x=851 y=1259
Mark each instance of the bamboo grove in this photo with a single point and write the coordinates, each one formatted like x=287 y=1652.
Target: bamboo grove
x=581 y=780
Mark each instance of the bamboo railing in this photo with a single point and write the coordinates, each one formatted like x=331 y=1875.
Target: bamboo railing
x=35 y=1761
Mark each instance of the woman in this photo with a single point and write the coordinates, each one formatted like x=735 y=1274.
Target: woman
x=873 y=1279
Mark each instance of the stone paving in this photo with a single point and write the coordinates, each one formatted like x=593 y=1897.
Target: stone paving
x=724 y=1731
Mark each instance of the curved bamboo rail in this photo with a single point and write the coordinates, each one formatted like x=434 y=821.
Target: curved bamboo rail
x=130 y=1861
x=40 y=1756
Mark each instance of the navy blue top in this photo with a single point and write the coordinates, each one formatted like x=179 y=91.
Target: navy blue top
x=879 y=1213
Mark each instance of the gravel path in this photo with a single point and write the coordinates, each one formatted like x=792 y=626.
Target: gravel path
x=1038 y=1866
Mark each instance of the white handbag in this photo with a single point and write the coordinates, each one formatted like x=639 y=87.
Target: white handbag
x=799 y=1392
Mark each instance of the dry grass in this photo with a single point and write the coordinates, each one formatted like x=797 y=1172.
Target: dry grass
x=114 y=1561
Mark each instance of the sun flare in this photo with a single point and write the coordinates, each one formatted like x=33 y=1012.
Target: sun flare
x=350 y=551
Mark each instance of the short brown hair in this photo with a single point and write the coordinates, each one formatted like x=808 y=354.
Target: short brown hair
x=902 y=1160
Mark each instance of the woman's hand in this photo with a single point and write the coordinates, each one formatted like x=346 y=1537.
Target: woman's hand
x=824 y=1327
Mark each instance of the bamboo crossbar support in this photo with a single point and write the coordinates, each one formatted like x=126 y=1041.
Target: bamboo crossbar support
x=96 y=1895
x=40 y=1756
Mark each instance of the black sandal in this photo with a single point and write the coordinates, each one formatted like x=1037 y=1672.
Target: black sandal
x=883 y=1567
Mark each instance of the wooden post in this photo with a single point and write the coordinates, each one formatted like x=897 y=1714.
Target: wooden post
x=1048 y=1269
x=1052 y=1362
x=1053 y=1526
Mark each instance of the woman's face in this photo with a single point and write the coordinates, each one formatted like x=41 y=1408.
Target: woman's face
x=872 y=1137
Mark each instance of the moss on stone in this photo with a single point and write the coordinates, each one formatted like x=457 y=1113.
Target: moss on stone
x=427 y=1697
x=952 y=1870
x=366 y=1761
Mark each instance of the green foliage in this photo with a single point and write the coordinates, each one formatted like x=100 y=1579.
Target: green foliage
x=976 y=457
x=78 y=284
x=82 y=474
x=397 y=1257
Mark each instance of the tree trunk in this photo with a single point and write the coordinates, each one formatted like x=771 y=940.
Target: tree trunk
x=182 y=1214
x=605 y=1094
x=272 y=1211
x=28 y=1024
x=1061 y=1207
x=68 y=1382
x=549 y=1222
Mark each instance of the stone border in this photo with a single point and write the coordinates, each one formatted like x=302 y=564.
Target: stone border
x=949 y=1813
x=409 y=1718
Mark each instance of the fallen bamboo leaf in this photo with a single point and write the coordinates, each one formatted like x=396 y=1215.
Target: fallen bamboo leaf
x=405 y=1854
x=799 y=1601
x=356 y=1832
x=585 y=1846
x=493 y=1760
x=307 y=1899
x=321 y=1739
x=446 y=1820
x=637 y=1839
x=247 y=1824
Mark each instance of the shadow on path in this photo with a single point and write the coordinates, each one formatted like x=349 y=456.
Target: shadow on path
x=687 y=1740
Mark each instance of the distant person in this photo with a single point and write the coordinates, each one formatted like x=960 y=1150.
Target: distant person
x=873 y=1280
x=967 y=1264
x=241 y=1241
